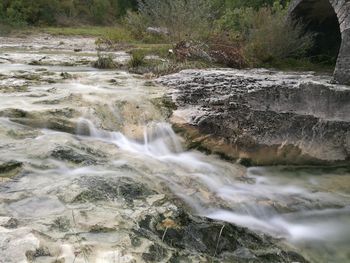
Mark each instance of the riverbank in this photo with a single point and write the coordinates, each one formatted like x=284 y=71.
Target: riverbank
x=154 y=48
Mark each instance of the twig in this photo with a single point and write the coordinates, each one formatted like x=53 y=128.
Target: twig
x=217 y=244
x=166 y=229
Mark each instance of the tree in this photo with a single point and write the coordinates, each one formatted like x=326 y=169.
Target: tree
x=101 y=11
x=125 y=5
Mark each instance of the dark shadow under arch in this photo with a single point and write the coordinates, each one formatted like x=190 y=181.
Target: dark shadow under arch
x=319 y=17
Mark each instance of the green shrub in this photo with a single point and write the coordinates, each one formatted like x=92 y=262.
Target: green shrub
x=256 y=4
x=236 y=22
x=136 y=23
x=63 y=12
x=100 y=11
x=183 y=19
x=272 y=37
x=266 y=33
x=137 y=59
x=104 y=61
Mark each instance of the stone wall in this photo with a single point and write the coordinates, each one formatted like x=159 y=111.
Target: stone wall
x=342 y=10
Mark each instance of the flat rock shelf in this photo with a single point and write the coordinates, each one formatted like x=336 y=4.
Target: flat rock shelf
x=263 y=117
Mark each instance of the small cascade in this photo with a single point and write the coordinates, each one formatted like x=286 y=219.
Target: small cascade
x=159 y=142
x=253 y=200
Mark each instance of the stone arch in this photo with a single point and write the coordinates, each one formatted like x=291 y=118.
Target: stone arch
x=331 y=20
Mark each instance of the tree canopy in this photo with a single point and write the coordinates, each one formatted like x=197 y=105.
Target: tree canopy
x=64 y=12
x=91 y=12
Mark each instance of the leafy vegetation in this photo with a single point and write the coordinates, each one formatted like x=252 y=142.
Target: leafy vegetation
x=104 y=61
x=63 y=12
x=180 y=19
x=137 y=59
x=265 y=33
x=233 y=33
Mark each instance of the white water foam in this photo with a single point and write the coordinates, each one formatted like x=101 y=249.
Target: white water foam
x=162 y=144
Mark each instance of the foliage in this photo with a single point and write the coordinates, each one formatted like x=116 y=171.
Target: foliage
x=101 y=11
x=233 y=33
x=241 y=33
x=104 y=61
x=137 y=59
x=266 y=33
x=227 y=52
x=255 y=4
x=63 y=12
x=274 y=38
x=136 y=23
x=181 y=18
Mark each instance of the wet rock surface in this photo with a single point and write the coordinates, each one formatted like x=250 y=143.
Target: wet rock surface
x=262 y=116
x=9 y=170
x=47 y=50
x=125 y=218
x=98 y=189
x=213 y=240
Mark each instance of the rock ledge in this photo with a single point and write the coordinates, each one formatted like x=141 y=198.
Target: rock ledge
x=262 y=116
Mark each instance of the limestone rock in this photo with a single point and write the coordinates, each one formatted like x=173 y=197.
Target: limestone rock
x=262 y=116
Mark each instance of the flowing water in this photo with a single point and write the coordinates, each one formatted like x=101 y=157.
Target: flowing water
x=62 y=133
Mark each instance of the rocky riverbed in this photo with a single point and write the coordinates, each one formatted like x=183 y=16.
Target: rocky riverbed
x=92 y=171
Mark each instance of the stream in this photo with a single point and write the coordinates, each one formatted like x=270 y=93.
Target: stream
x=87 y=154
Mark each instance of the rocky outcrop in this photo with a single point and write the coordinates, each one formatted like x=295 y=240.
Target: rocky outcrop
x=319 y=13
x=263 y=117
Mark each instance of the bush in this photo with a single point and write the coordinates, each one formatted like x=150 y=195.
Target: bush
x=183 y=19
x=136 y=23
x=63 y=12
x=227 y=52
x=137 y=59
x=104 y=61
x=137 y=26
x=101 y=11
x=272 y=37
x=192 y=50
x=237 y=23
x=266 y=33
